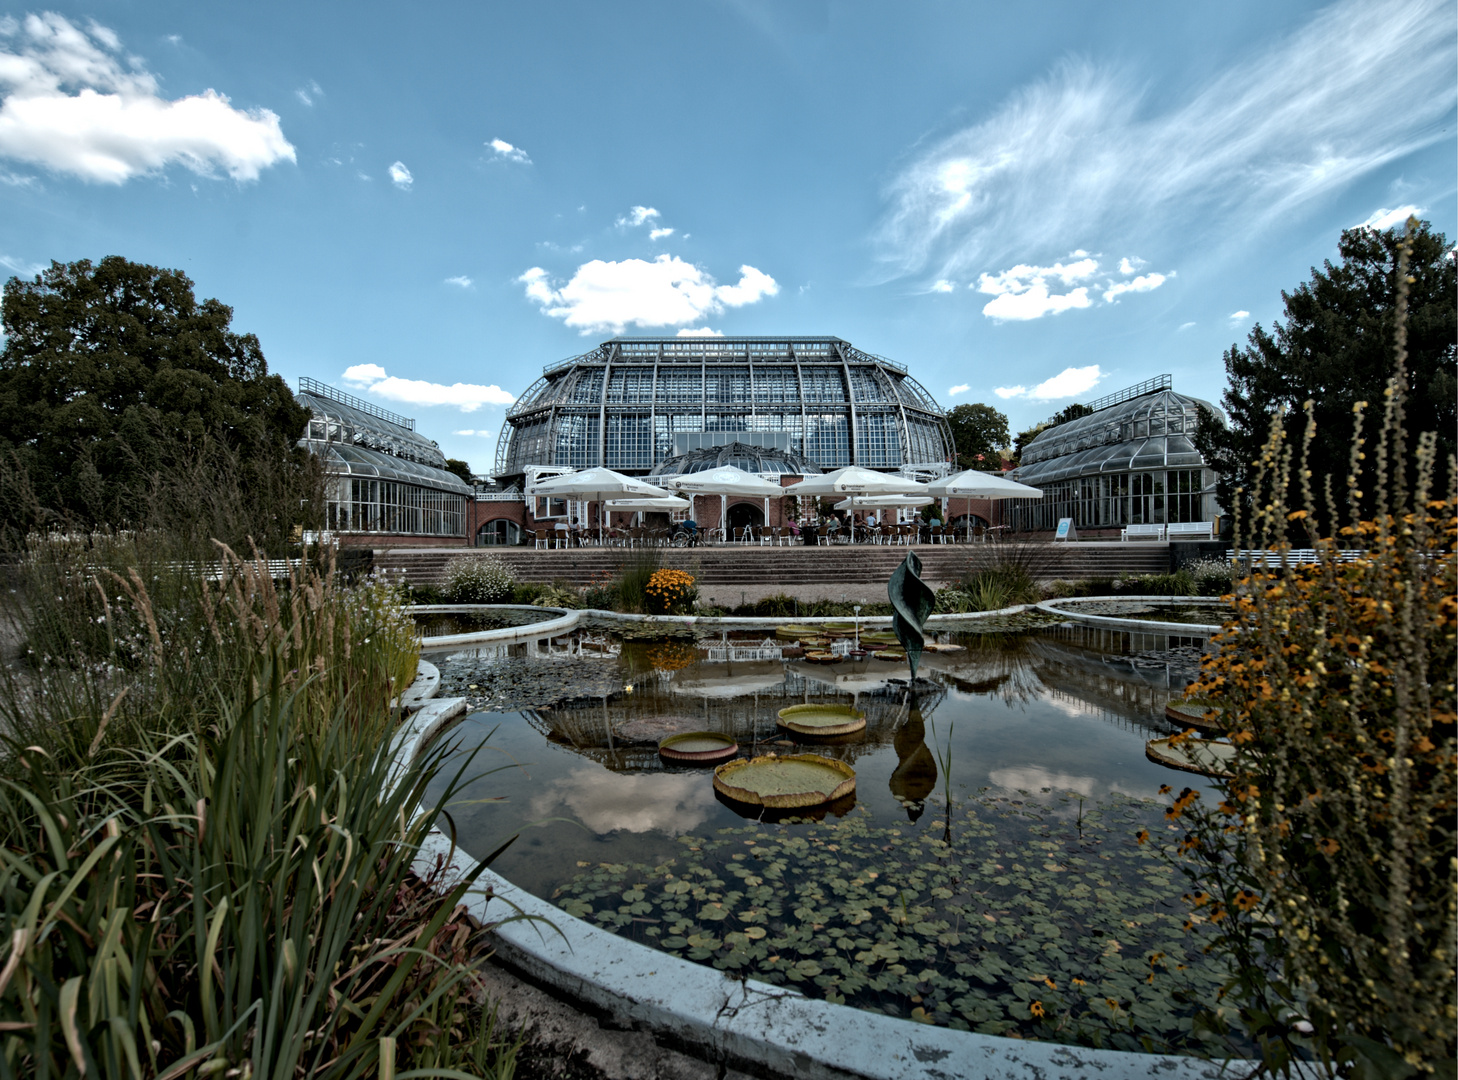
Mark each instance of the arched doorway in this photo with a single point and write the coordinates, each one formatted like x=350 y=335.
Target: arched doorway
x=497 y=533
x=746 y=513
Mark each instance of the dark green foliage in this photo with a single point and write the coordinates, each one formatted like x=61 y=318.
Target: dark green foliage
x=460 y=468
x=979 y=432
x=1336 y=349
x=113 y=374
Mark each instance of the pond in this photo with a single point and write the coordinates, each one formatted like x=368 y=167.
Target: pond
x=443 y=623
x=986 y=873
x=1201 y=613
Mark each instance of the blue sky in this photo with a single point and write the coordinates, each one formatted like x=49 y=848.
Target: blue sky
x=1026 y=204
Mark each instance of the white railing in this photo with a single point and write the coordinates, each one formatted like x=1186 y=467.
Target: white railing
x=500 y=496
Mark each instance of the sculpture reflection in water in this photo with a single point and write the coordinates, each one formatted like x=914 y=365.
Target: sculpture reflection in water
x=915 y=776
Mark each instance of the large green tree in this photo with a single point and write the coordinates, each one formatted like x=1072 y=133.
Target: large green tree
x=114 y=377
x=1335 y=348
x=979 y=432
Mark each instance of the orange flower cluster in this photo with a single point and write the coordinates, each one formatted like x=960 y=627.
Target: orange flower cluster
x=668 y=589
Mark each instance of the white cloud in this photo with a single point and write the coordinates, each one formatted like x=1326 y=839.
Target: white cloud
x=1089 y=152
x=609 y=296
x=400 y=176
x=1238 y=317
x=468 y=397
x=943 y=285
x=506 y=152
x=637 y=216
x=461 y=281
x=1143 y=283
x=1070 y=382
x=1185 y=326
x=71 y=105
x=1384 y=219
x=659 y=234
x=1129 y=265
x=1028 y=292
x=699 y=331
x=308 y=94
x=21 y=267
x=959 y=389
x=478 y=432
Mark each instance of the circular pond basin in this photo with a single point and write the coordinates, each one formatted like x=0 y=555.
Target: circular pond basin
x=987 y=859
x=437 y=623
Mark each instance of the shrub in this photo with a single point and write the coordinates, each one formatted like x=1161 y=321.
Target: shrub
x=1327 y=869
x=954 y=600
x=558 y=595
x=477 y=579
x=670 y=592
x=1180 y=583
x=1212 y=576
x=633 y=582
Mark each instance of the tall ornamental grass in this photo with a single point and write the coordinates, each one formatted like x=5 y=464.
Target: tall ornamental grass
x=205 y=846
x=1328 y=865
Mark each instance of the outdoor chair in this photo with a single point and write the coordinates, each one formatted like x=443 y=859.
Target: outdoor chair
x=934 y=534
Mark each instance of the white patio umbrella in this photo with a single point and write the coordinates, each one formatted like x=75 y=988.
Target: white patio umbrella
x=858 y=483
x=597 y=485
x=723 y=481
x=669 y=502
x=876 y=502
x=972 y=484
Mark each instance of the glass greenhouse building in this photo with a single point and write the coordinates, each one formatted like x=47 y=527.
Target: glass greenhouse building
x=1132 y=461
x=382 y=476
x=633 y=403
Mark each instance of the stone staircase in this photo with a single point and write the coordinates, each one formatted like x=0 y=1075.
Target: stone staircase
x=789 y=566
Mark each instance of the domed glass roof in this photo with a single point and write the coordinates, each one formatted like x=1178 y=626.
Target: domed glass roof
x=633 y=403
x=763 y=460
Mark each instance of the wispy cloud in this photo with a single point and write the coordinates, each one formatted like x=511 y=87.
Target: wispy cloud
x=659 y=234
x=699 y=331
x=482 y=433
x=1085 y=156
x=962 y=388
x=1384 y=219
x=504 y=151
x=400 y=176
x=309 y=94
x=21 y=267
x=664 y=292
x=637 y=216
x=468 y=397
x=1185 y=326
x=1237 y=317
x=73 y=105
x=1070 y=382
x=460 y=281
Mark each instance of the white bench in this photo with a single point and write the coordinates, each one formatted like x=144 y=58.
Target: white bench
x=1198 y=530
x=1142 y=532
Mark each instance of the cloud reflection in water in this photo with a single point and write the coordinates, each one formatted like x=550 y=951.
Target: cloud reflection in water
x=605 y=801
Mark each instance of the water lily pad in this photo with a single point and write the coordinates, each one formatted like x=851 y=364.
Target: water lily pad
x=792 y=630
x=820 y=719
x=1210 y=757
x=820 y=656
x=1192 y=712
x=705 y=747
x=942 y=647
x=797 y=780
x=893 y=654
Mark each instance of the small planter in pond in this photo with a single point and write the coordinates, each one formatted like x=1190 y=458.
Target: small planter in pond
x=698 y=747
x=822 y=719
x=792 y=782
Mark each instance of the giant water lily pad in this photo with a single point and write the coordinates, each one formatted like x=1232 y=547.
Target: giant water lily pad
x=791 y=630
x=943 y=647
x=1189 y=712
x=893 y=653
x=705 y=747
x=791 y=782
x=822 y=719
x=1210 y=757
